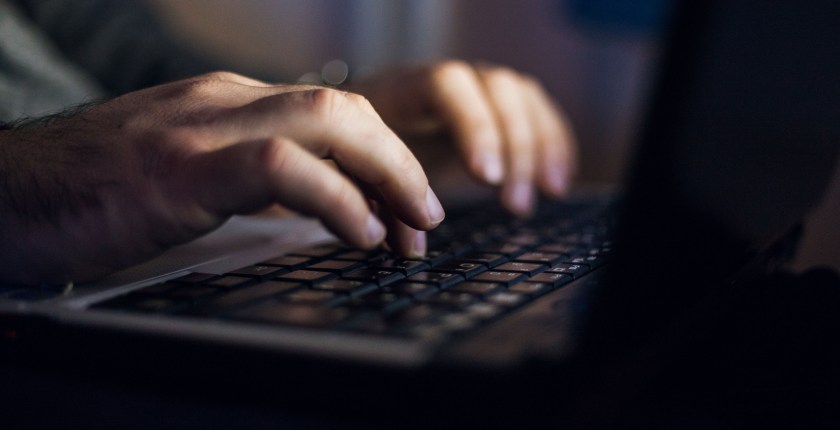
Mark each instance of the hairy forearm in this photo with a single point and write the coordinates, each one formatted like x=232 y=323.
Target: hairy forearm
x=36 y=171
x=50 y=191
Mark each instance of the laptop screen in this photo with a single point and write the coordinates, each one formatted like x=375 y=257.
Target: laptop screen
x=740 y=141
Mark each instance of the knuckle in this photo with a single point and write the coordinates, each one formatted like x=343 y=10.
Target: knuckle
x=219 y=75
x=277 y=155
x=325 y=103
x=193 y=88
x=501 y=76
x=449 y=69
x=201 y=86
x=359 y=100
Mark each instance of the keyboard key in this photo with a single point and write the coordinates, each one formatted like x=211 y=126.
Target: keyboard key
x=592 y=261
x=434 y=257
x=413 y=289
x=353 y=288
x=406 y=267
x=336 y=266
x=514 y=266
x=441 y=279
x=466 y=269
x=258 y=271
x=288 y=261
x=309 y=276
x=540 y=257
x=487 y=259
x=247 y=295
x=554 y=279
x=505 y=278
x=507 y=249
x=476 y=288
x=573 y=270
x=377 y=276
x=380 y=301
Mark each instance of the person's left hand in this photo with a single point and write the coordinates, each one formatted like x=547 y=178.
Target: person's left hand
x=507 y=129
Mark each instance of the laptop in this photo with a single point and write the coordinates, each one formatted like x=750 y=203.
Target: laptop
x=739 y=142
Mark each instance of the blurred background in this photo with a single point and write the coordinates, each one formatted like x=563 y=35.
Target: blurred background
x=594 y=56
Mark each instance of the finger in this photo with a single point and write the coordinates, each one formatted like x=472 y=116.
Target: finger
x=461 y=101
x=402 y=239
x=505 y=91
x=556 y=152
x=335 y=125
x=244 y=177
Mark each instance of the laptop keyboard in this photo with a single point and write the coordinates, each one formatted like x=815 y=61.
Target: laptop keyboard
x=481 y=265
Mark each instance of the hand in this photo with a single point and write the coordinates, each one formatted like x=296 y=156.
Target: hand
x=506 y=127
x=113 y=185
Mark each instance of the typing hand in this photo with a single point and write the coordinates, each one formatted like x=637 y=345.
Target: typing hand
x=87 y=194
x=507 y=129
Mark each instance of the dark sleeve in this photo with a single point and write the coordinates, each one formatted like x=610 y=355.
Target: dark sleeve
x=120 y=43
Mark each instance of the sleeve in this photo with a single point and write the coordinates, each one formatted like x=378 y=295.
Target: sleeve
x=120 y=43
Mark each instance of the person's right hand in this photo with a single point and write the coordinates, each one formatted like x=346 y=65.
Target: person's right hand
x=85 y=195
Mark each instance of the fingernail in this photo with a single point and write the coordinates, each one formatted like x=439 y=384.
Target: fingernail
x=418 y=249
x=434 y=208
x=492 y=169
x=375 y=230
x=522 y=197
